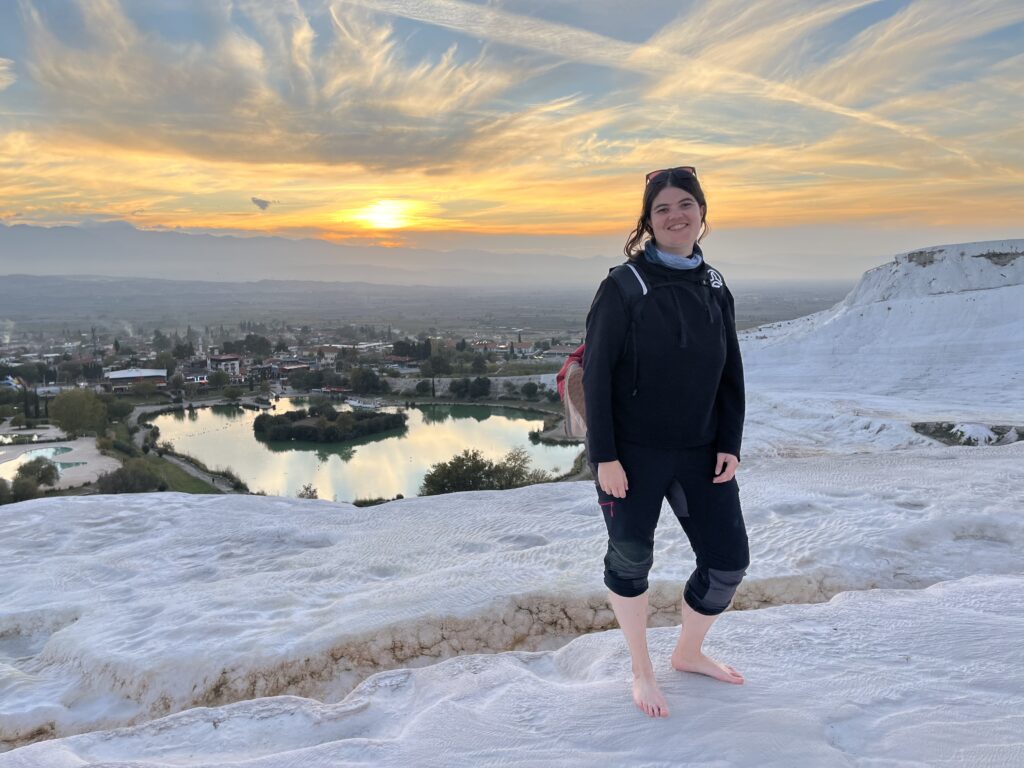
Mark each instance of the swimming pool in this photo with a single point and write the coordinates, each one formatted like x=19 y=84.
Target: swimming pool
x=9 y=467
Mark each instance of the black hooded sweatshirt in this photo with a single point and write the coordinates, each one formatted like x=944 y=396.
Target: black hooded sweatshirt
x=671 y=375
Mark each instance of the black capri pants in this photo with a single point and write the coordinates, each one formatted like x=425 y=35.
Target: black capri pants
x=708 y=512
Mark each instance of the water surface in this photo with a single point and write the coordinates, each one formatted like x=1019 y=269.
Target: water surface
x=382 y=466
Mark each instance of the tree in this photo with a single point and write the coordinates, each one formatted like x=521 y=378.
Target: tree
x=469 y=471
x=479 y=364
x=40 y=469
x=365 y=380
x=529 y=389
x=300 y=380
x=440 y=365
x=459 y=387
x=183 y=350
x=69 y=372
x=32 y=373
x=144 y=388
x=219 y=379
x=160 y=341
x=77 y=411
x=422 y=387
x=513 y=471
x=258 y=345
x=136 y=476
x=117 y=409
x=281 y=346
x=480 y=387
x=166 y=361
x=232 y=393
x=24 y=488
x=177 y=381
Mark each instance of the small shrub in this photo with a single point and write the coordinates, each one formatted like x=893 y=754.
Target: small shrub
x=126 y=448
x=40 y=469
x=375 y=501
x=24 y=488
x=237 y=483
x=308 y=492
x=136 y=476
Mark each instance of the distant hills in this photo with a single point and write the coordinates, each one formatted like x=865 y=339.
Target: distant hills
x=119 y=249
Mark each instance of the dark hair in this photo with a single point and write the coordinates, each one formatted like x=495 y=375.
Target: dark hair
x=675 y=178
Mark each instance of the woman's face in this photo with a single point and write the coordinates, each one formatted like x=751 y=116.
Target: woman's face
x=675 y=220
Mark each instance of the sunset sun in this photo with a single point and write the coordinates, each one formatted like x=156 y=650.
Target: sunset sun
x=387 y=214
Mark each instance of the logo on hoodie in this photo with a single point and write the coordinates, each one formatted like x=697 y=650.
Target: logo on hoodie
x=715 y=278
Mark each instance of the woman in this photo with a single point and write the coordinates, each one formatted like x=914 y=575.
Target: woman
x=663 y=384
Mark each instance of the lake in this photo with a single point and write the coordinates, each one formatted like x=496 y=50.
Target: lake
x=382 y=466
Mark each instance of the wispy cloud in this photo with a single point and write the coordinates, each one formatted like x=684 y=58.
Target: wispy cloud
x=262 y=95
x=6 y=73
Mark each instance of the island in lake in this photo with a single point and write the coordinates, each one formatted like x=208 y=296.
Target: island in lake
x=324 y=424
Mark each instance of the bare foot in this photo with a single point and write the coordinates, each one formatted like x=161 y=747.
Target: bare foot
x=647 y=696
x=705 y=665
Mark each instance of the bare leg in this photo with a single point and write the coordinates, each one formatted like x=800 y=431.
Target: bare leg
x=688 y=657
x=631 y=613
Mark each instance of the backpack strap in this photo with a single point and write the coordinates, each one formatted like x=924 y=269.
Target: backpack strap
x=634 y=288
x=630 y=282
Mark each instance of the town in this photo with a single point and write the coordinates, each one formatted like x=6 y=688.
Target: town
x=353 y=359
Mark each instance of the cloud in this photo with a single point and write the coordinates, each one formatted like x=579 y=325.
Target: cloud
x=258 y=93
x=7 y=77
x=261 y=203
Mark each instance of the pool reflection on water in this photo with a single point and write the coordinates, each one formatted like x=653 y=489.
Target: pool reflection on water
x=382 y=466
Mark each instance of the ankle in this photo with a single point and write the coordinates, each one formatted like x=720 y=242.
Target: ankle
x=644 y=673
x=687 y=653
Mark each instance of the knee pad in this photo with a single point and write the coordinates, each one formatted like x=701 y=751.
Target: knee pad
x=626 y=566
x=710 y=590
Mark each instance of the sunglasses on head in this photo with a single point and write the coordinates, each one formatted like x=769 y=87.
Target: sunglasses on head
x=657 y=175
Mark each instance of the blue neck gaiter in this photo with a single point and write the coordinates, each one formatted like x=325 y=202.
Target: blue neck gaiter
x=670 y=260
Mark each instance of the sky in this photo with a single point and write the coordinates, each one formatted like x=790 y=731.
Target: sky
x=825 y=133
